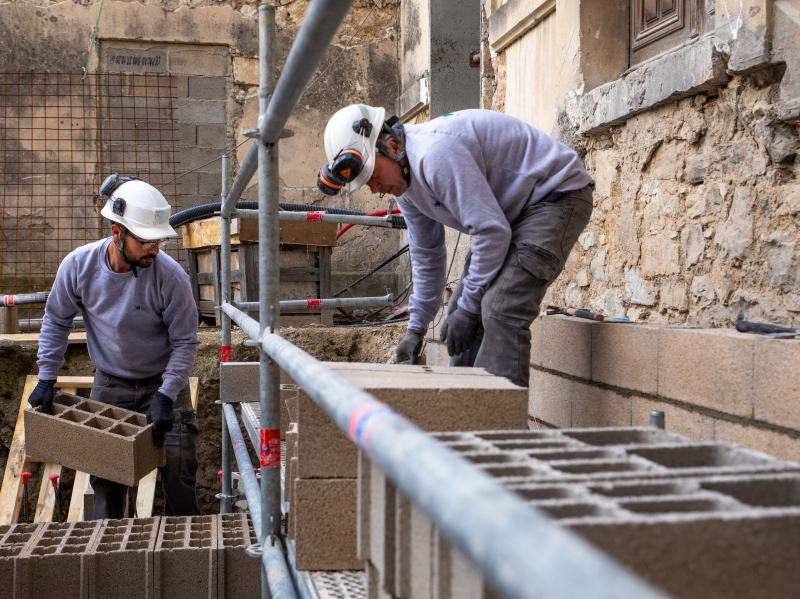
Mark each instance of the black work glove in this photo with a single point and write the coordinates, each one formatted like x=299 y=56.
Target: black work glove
x=42 y=395
x=160 y=414
x=408 y=349
x=457 y=329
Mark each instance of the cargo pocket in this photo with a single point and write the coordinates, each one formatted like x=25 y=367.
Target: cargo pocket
x=189 y=433
x=538 y=262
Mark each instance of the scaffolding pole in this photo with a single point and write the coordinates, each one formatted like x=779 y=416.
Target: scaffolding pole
x=312 y=304
x=321 y=217
x=226 y=503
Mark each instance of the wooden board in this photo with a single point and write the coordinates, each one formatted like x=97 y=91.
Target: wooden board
x=10 y=491
x=32 y=339
x=147 y=486
x=205 y=233
x=79 y=488
x=46 y=503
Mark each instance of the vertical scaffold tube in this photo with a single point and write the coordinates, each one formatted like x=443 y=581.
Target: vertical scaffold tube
x=268 y=290
x=225 y=354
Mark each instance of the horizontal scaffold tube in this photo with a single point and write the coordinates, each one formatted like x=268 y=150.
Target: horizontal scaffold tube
x=522 y=552
x=312 y=304
x=321 y=217
x=274 y=561
x=25 y=298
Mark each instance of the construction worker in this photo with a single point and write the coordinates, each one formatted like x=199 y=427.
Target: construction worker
x=523 y=197
x=141 y=331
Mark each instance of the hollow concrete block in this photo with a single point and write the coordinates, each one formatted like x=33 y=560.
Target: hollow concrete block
x=185 y=558
x=291 y=454
x=433 y=398
x=291 y=474
x=325 y=518
x=421 y=558
x=692 y=424
x=56 y=563
x=364 y=506
x=120 y=560
x=594 y=407
x=550 y=398
x=626 y=355
x=708 y=368
x=15 y=539
x=238 y=574
x=777 y=382
x=566 y=345
x=90 y=436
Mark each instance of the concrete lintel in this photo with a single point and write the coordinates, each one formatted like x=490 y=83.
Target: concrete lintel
x=414 y=99
x=514 y=19
x=690 y=70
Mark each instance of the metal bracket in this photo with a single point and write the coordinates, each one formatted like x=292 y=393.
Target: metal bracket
x=223 y=496
x=252 y=133
x=252 y=343
x=254 y=550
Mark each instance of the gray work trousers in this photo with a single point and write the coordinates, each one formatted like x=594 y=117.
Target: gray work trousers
x=541 y=240
x=178 y=475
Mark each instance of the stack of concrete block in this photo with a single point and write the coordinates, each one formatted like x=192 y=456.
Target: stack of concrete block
x=121 y=559
x=15 y=540
x=56 y=562
x=708 y=520
x=185 y=557
x=90 y=436
x=323 y=518
x=238 y=574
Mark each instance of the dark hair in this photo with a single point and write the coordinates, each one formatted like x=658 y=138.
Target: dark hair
x=382 y=143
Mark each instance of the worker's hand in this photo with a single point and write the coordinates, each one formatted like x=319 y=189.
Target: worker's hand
x=42 y=395
x=457 y=329
x=408 y=349
x=160 y=414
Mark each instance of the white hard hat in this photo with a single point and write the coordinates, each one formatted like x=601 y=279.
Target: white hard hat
x=341 y=133
x=140 y=208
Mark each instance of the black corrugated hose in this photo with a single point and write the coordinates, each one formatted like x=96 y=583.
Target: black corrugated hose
x=199 y=212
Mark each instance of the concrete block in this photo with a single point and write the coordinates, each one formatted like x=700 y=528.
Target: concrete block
x=626 y=355
x=93 y=437
x=774 y=443
x=566 y=345
x=325 y=524
x=422 y=533
x=364 y=503
x=185 y=558
x=15 y=539
x=382 y=531
x=402 y=546
x=209 y=183
x=245 y=71
x=208 y=88
x=187 y=184
x=88 y=504
x=238 y=574
x=550 y=398
x=212 y=136
x=181 y=87
x=536 y=342
x=436 y=354
x=289 y=396
x=777 y=382
x=709 y=368
x=291 y=454
x=186 y=136
x=239 y=381
x=56 y=564
x=594 y=407
x=200 y=61
x=694 y=425
x=199 y=111
x=120 y=561
x=433 y=398
x=197 y=158
x=291 y=472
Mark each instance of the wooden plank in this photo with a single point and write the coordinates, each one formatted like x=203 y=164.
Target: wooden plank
x=79 y=488
x=32 y=339
x=299 y=274
x=71 y=384
x=216 y=283
x=301 y=233
x=248 y=269
x=192 y=260
x=45 y=505
x=325 y=286
x=205 y=233
x=147 y=486
x=20 y=491
x=16 y=463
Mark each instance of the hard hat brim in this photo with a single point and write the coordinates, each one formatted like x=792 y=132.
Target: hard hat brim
x=142 y=232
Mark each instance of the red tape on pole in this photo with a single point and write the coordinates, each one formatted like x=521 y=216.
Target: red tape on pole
x=314 y=303
x=270 y=448
x=314 y=217
x=226 y=353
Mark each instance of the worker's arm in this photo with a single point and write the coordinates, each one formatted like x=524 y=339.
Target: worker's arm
x=428 y=258
x=63 y=305
x=180 y=316
x=455 y=174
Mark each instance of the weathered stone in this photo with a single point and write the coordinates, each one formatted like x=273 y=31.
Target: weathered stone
x=609 y=304
x=660 y=255
x=702 y=291
x=635 y=290
x=582 y=278
x=735 y=235
x=692 y=243
x=245 y=70
x=782 y=261
x=596 y=266
x=605 y=174
x=587 y=239
x=673 y=295
x=573 y=296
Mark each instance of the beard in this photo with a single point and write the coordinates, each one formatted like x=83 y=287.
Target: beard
x=137 y=262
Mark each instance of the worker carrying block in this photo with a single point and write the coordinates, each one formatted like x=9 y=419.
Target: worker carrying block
x=522 y=196
x=141 y=332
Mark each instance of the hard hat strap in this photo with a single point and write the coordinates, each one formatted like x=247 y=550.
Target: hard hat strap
x=120 y=246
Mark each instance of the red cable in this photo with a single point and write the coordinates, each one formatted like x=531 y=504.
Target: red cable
x=378 y=213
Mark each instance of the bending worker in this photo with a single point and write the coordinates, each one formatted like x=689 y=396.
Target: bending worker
x=141 y=330
x=522 y=196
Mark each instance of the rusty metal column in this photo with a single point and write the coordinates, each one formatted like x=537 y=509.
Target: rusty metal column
x=268 y=290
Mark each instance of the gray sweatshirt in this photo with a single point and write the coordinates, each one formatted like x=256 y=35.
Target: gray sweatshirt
x=135 y=328
x=474 y=171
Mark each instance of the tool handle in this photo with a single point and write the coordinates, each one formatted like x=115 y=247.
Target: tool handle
x=25 y=476
x=745 y=326
x=585 y=314
x=54 y=480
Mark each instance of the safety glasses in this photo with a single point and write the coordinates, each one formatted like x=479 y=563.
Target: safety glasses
x=149 y=245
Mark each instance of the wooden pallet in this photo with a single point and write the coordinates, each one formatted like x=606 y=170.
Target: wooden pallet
x=18 y=462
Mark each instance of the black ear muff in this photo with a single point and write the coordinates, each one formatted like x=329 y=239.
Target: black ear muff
x=347 y=165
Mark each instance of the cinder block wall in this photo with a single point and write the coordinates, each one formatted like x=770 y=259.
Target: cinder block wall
x=712 y=384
